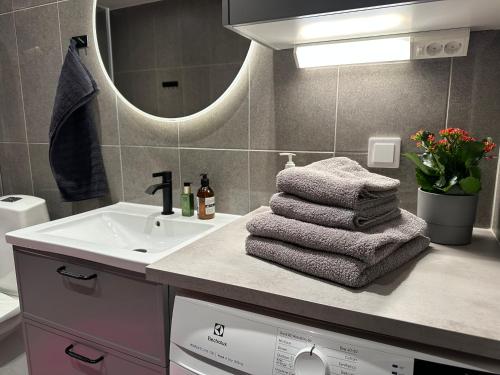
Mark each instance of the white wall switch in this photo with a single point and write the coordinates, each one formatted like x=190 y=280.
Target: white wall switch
x=384 y=152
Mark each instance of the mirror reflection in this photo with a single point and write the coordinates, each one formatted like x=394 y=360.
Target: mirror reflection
x=170 y=58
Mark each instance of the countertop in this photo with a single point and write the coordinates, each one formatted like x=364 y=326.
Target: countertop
x=447 y=297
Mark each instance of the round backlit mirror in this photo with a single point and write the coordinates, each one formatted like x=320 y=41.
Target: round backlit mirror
x=169 y=58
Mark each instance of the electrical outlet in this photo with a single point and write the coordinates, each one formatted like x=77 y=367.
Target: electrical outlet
x=439 y=44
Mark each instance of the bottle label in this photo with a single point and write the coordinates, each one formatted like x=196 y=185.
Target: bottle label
x=210 y=205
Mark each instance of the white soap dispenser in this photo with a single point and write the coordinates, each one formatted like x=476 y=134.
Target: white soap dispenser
x=290 y=163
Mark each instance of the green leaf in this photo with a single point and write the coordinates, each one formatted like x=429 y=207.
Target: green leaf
x=451 y=183
x=470 y=185
x=424 y=181
x=471 y=152
x=475 y=172
x=420 y=165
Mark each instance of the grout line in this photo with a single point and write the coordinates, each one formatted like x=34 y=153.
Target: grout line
x=32 y=7
x=24 y=106
x=60 y=34
x=336 y=112
x=120 y=147
x=449 y=94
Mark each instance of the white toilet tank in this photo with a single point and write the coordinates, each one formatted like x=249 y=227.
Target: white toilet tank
x=16 y=212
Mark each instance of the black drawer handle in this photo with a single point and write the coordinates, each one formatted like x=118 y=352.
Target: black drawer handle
x=62 y=271
x=69 y=351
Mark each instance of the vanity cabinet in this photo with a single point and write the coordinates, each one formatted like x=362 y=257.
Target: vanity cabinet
x=57 y=353
x=67 y=301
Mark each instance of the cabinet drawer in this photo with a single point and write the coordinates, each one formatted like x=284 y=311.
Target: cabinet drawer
x=56 y=353
x=117 y=311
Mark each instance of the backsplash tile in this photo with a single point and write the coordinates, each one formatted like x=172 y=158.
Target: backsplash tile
x=138 y=130
x=475 y=88
x=12 y=128
x=139 y=163
x=265 y=165
x=224 y=126
x=274 y=106
x=40 y=60
x=394 y=99
x=304 y=108
x=228 y=174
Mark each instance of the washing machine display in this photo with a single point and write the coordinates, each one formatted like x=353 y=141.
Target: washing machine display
x=212 y=339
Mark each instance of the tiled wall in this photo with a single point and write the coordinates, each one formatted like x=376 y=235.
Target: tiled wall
x=317 y=113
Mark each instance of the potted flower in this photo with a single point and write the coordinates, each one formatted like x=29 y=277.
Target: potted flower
x=449 y=178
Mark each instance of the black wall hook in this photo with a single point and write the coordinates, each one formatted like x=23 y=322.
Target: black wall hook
x=82 y=41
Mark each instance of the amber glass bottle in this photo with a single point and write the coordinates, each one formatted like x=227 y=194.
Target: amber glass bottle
x=206 y=199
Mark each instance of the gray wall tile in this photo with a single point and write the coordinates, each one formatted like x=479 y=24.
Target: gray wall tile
x=76 y=19
x=15 y=168
x=139 y=163
x=139 y=130
x=262 y=134
x=12 y=128
x=225 y=125
x=488 y=181
x=475 y=88
x=304 y=104
x=21 y=4
x=390 y=100
x=228 y=174
x=5 y=6
x=264 y=166
x=40 y=60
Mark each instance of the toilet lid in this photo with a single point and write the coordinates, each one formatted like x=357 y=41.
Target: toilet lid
x=9 y=307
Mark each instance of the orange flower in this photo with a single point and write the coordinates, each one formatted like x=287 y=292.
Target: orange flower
x=489 y=146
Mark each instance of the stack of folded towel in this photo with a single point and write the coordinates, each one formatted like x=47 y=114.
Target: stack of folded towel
x=336 y=220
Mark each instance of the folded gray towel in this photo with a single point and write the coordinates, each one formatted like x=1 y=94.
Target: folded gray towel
x=294 y=207
x=370 y=245
x=338 y=268
x=337 y=182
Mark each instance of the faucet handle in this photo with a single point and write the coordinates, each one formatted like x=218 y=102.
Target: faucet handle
x=165 y=175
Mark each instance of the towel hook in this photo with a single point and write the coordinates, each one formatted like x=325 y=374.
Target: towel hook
x=82 y=42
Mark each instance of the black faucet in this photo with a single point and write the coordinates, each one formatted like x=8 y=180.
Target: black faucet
x=166 y=187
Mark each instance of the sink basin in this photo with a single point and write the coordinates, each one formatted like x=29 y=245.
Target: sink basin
x=124 y=235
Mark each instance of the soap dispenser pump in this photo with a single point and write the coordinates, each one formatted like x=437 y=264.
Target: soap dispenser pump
x=290 y=163
x=206 y=199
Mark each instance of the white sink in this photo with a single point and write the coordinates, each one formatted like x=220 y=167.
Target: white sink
x=124 y=235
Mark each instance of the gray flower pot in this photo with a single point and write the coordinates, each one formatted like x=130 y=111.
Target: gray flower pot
x=450 y=218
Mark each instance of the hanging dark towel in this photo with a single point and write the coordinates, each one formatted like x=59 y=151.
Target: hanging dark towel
x=74 y=153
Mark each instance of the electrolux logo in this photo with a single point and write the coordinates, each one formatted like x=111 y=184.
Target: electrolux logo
x=219 y=330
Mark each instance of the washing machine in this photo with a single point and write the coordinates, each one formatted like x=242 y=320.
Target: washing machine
x=213 y=339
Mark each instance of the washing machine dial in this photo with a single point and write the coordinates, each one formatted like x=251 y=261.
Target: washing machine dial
x=310 y=361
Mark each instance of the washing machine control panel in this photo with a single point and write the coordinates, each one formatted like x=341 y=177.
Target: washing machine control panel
x=261 y=345
x=301 y=353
